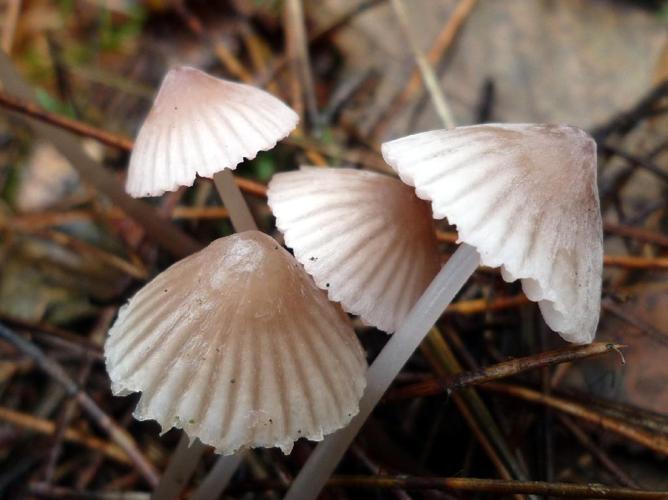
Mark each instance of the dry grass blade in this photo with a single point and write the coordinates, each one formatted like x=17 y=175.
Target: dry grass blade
x=440 y=47
x=428 y=76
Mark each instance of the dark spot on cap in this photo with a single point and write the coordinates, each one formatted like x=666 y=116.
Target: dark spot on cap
x=165 y=290
x=232 y=381
x=275 y=247
x=299 y=431
x=312 y=258
x=327 y=285
x=271 y=421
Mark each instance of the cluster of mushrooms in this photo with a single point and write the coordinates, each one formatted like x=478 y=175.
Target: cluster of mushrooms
x=244 y=345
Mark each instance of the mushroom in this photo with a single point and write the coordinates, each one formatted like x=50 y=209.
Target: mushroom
x=523 y=198
x=201 y=125
x=364 y=237
x=237 y=346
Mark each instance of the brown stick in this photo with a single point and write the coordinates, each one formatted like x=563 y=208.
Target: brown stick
x=30 y=422
x=502 y=370
x=496 y=486
x=636 y=233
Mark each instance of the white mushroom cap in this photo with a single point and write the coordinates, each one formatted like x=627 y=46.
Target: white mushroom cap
x=237 y=346
x=364 y=237
x=525 y=197
x=200 y=125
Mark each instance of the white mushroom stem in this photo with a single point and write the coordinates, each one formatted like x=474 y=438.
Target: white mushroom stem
x=181 y=466
x=185 y=458
x=324 y=459
x=218 y=477
x=234 y=201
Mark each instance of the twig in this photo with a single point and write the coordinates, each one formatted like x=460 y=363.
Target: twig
x=298 y=50
x=501 y=370
x=427 y=72
x=625 y=121
x=279 y=62
x=654 y=442
x=495 y=486
x=224 y=55
x=476 y=306
x=11 y=16
x=35 y=111
x=637 y=160
x=30 y=422
x=117 y=434
x=636 y=233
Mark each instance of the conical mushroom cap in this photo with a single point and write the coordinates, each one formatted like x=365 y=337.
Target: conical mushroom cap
x=525 y=197
x=200 y=125
x=237 y=346
x=364 y=237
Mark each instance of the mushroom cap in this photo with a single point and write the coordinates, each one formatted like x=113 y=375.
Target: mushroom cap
x=200 y=125
x=238 y=347
x=364 y=237
x=525 y=196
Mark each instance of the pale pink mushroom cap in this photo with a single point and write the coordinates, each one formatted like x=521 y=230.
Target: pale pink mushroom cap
x=364 y=237
x=525 y=197
x=237 y=346
x=200 y=125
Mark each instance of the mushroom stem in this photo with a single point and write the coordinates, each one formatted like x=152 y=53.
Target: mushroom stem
x=234 y=201
x=181 y=466
x=218 y=477
x=447 y=283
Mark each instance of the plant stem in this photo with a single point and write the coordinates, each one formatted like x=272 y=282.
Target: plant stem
x=218 y=477
x=324 y=459
x=427 y=72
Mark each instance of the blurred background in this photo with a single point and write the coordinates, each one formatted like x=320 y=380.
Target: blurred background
x=70 y=255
